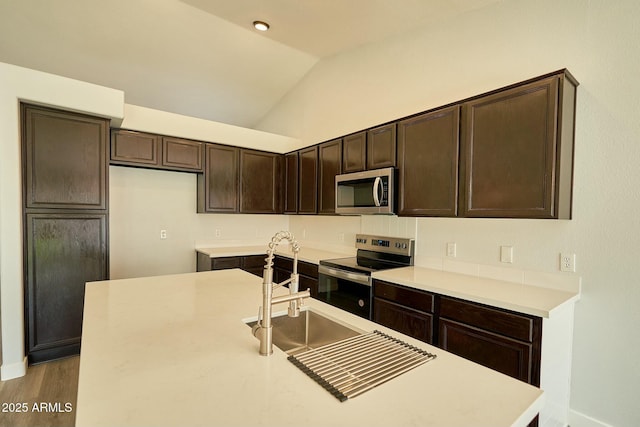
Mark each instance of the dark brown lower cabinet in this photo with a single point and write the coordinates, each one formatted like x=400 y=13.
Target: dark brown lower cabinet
x=403 y=309
x=63 y=252
x=414 y=323
x=503 y=354
x=502 y=340
x=506 y=341
x=308 y=273
x=253 y=264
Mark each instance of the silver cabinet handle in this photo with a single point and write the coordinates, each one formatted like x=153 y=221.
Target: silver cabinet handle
x=363 y=279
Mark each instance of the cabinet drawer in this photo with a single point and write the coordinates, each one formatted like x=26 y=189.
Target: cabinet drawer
x=226 y=262
x=308 y=269
x=413 y=298
x=410 y=322
x=503 y=354
x=511 y=324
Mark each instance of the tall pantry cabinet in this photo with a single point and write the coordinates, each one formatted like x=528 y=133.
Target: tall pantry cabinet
x=65 y=207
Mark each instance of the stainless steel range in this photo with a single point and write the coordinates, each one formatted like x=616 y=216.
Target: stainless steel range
x=346 y=282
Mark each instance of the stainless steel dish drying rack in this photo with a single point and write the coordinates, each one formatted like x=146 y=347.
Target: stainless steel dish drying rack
x=349 y=367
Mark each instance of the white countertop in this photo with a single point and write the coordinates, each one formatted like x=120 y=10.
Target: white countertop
x=174 y=350
x=534 y=300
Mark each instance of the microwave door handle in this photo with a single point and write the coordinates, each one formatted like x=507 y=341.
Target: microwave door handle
x=376 y=189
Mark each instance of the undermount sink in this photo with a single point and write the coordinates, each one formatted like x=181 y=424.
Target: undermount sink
x=307 y=331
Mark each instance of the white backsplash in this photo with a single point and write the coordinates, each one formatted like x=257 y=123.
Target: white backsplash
x=476 y=256
x=389 y=225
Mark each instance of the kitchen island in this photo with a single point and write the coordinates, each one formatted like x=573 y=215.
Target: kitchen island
x=175 y=350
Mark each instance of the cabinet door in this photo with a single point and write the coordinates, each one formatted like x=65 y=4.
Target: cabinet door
x=330 y=166
x=62 y=253
x=225 y=263
x=503 y=354
x=308 y=180
x=509 y=152
x=182 y=154
x=260 y=178
x=254 y=264
x=428 y=164
x=416 y=324
x=218 y=186
x=381 y=147
x=354 y=152
x=135 y=148
x=503 y=340
x=65 y=159
x=291 y=183
x=308 y=274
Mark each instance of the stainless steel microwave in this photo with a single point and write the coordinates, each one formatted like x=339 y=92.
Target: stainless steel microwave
x=368 y=192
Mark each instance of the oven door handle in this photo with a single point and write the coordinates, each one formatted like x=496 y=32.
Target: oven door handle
x=363 y=279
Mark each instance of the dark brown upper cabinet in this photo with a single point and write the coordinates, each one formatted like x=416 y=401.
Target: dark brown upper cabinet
x=182 y=154
x=308 y=180
x=65 y=158
x=131 y=148
x=135 y=148
x=260 y=178
x=354 y=152
x=330 y=165
x=381 y=147
x=291 y=183
x=428 y=163
x=218 y=186
x=517 y=150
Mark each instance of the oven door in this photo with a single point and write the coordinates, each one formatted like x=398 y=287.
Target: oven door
x=346 y=290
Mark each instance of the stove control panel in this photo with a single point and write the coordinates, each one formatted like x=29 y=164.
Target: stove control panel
x=394 y=245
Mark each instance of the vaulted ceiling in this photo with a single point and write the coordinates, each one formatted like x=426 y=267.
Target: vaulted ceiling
x=203 y=58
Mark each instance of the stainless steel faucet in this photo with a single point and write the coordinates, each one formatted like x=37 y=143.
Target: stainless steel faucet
x=263 y=330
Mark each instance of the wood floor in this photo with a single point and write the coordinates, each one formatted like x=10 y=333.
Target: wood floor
x=46 y=396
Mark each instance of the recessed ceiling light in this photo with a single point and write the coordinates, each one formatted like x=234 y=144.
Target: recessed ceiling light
x=260 y=25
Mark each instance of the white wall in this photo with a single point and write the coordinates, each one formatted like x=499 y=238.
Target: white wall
x=144 y=201
x=491 y=47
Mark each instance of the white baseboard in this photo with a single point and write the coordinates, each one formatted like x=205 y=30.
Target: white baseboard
x=577 y=419
x=13 y=370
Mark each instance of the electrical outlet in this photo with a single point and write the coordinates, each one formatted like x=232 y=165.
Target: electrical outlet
x=451 y=249
x=568 y=262
x=506 y=254
x=218 y=233
x=163 y=234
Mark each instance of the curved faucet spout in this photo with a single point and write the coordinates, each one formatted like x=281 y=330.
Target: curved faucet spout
x=263 y=329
